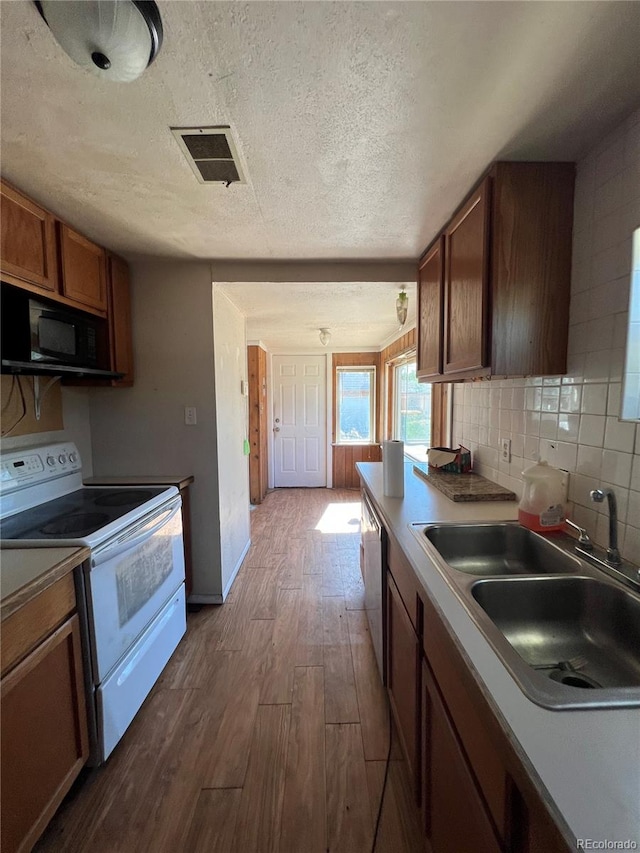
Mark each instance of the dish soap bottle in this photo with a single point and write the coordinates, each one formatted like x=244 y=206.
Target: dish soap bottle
x=542 y=505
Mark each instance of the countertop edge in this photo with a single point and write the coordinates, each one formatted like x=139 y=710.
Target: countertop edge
x=21 y=596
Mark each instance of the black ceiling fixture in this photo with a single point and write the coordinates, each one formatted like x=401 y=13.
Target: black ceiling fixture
x=115 y=39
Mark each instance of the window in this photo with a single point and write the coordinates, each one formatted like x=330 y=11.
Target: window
x=355 y=405
x=411 y=410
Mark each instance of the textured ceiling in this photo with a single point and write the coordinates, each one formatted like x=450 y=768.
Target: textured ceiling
x=289 y=315
x=360 y=125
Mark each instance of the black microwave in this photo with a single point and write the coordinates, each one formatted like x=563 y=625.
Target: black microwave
x=44 y=333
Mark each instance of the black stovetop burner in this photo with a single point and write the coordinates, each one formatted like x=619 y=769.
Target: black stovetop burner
x=75 y=515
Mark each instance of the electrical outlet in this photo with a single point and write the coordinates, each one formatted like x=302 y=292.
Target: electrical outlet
x=190 y=415
x=505 y=444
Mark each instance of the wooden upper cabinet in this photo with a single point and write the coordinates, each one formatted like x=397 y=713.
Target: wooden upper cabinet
x=28 y=254
x=531 y=244
x=507 y=277
x=430 y=301
x=466 y=287
x=83 y=269
x=120 y=339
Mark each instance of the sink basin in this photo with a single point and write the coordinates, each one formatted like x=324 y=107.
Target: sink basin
x=498 y=549
x=579 y=632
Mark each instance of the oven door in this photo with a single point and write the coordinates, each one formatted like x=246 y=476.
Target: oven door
x=130 y=579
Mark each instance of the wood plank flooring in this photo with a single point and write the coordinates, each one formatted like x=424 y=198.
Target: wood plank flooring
x=268 y=729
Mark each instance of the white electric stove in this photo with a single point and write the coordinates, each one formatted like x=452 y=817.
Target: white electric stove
x=131 y=591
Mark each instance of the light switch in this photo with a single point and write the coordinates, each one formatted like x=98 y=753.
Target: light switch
x=190 y=415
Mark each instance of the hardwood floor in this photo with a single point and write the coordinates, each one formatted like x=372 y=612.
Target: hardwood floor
x=268 y=729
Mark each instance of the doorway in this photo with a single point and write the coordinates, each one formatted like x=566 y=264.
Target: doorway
x=299 y=421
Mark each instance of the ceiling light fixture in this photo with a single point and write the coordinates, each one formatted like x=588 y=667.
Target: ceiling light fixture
x=325 y=337
x=115 y=39
x=402 y=305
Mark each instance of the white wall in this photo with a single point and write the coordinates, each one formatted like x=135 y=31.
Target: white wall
x=230 y=355
x=572 y=421
x=141 y=430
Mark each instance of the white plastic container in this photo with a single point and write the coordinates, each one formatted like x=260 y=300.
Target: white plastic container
x=542 y=505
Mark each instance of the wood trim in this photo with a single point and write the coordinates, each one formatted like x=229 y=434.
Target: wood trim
x=257 y=374
x=439 y=405
x=358 y=359
x=119 y=320
x=403 y=346
x=399 y=347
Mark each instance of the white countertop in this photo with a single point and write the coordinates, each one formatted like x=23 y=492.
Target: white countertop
x=589 y=760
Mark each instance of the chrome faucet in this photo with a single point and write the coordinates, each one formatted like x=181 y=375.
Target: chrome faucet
x=598 y=496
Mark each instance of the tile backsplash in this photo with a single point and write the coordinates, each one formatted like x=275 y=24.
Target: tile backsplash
x=572 y=420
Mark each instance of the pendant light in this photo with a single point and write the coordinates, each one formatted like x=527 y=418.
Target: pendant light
x=115 y=39
x=325 y=337
x=402 y=305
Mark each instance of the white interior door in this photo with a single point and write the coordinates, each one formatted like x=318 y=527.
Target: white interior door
x=299 y=420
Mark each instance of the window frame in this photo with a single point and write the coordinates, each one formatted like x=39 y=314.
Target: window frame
x=356 y=368
x=441 y=400
x=394 y=407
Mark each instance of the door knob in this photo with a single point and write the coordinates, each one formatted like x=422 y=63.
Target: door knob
x=276 y=429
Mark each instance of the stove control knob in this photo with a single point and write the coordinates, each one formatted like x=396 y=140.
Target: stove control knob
x=51 y=460
x=73 y=457
x=62 y=459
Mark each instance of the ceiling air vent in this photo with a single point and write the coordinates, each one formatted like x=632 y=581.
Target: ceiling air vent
x=211 y=153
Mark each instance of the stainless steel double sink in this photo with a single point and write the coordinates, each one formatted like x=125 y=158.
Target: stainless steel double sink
x=568 y=634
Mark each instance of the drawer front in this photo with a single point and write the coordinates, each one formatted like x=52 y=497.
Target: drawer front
x=25 y=628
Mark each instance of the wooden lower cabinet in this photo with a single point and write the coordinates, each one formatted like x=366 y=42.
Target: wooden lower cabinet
x=403 y=662
x=471 y=783
x=44 y=735
x=456 y=817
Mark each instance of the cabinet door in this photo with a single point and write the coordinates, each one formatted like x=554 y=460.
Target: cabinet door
x=430 y=306
x=402 y=679
x=83 y=269
x=456 y=817
x=120 y=342
x=44 y=735
x=466 y=304
x=28 y=241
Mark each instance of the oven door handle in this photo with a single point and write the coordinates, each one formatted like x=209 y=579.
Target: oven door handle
x=108 y=552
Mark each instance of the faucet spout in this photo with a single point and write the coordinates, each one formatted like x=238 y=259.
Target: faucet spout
x=598 y=496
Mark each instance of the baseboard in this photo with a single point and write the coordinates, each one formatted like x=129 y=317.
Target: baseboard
x=236 y=569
